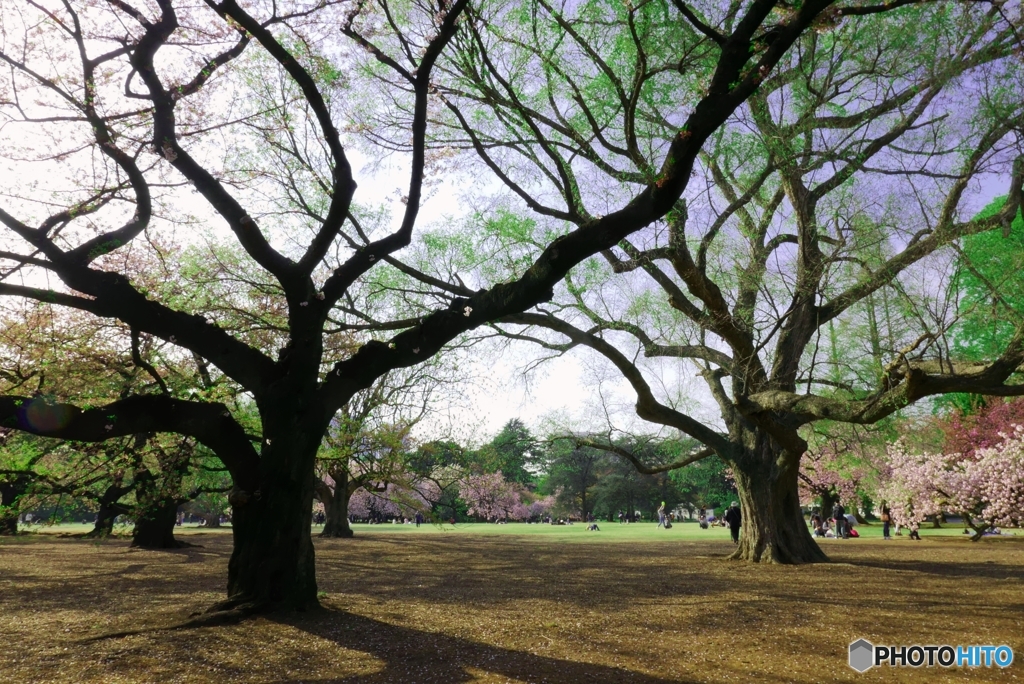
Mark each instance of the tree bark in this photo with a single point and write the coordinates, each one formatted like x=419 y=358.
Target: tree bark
x=336 y=525
x=273 y=564
x=104 y=526
x=773 y=528
x=109 y=510
x=154 y=528
x=828 y=501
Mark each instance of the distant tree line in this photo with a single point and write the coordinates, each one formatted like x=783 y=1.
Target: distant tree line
x=520 y=476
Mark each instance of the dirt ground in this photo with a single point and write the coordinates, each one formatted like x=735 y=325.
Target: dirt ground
x=401 y=608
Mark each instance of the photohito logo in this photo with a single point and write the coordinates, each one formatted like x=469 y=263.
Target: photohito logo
x=864 y=655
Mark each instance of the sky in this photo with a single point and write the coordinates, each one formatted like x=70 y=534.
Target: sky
x=496 y=387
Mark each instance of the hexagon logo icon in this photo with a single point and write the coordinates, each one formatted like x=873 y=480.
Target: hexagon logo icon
x=862 y=655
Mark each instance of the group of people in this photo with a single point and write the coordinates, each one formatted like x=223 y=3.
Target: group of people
x=832 y=528
x=626 y=518
x=839 y=526
x=732 y=518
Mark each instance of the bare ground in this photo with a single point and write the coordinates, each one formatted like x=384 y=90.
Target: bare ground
x=409 y=609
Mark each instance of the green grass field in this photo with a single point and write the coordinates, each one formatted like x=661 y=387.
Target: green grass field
x=609 y=532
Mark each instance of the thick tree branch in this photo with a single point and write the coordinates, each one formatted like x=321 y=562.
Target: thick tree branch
x=343 y=186
x=916 y=382
x=209 y=423
x=640 y=466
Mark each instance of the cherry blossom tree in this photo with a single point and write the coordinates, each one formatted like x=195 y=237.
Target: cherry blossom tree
x=987 y=426
x=986 y=488
x=388 y=500
x=542 y=506
x=844 y=464
x=371 y=504
x=491 y=497
x=824 y=479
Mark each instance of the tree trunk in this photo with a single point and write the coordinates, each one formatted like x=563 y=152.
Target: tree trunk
x=273 y=563
x=336 y=513
x=8 y=524
x=9 y=494
x=154 y=528
x=211 y=521
x=109 y=510
x=104 y=525
x=773 y=528
x=828 y=501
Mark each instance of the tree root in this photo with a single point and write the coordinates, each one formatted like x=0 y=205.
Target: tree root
x=771 y=554
x=337 y=534
x=229 y=612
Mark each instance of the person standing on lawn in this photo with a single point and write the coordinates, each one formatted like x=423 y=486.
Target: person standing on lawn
x=886 y=521
x=734 y=518
x=839 y=515
x=661 y=514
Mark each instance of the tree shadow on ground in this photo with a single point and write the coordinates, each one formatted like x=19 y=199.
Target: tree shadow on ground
x=974 y=570
x=527 y=571
x=412 y=655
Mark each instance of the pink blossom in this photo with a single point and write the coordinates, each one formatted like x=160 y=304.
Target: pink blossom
x=986 y=486
x=491 y=497
x=823 y=473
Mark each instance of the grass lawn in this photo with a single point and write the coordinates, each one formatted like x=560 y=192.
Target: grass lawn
x=633 y=532
x=510 y=603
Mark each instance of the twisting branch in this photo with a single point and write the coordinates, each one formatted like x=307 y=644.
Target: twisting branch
x=640 y=466
x=697 y=23
x=343 y=186
x=143 y=364
x=346 y=274
x=647 y=406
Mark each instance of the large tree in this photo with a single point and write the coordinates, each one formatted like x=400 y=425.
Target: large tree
x=805 y=277
x=512 y=451
x=146 y=476
x=137 y=119
x=571 y=473
x=367 y=442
